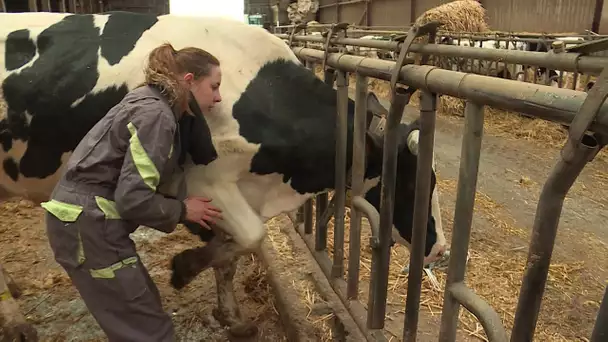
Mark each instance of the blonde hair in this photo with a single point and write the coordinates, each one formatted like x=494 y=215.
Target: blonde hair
x=166 y=65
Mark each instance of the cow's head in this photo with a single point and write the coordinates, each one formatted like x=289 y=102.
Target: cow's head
x=405 y=187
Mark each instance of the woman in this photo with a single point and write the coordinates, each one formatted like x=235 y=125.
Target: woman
x=110 y=188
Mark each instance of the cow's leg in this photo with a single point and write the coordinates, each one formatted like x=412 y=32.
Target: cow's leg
x=10 y=283
x=11 y=320
x=227 y=311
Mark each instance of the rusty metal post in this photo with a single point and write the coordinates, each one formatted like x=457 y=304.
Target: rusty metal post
x=45 y=5
x=322 y=199
x=600 y=330
x=340 y=170
x=32 y=5
x=308 y=204
x=381 y=256
x=357 y=174
x=546 y=222
x=428 y=106
x=580 y=148
x=470 y=153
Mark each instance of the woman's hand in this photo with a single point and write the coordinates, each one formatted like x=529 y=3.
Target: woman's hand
x=199 y=210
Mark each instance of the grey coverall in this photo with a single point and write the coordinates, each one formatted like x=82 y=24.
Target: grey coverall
x=108 y=190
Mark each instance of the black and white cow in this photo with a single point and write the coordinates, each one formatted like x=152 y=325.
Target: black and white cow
x=273 y=132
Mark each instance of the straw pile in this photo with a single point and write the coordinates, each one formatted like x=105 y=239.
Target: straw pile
x=457 y=16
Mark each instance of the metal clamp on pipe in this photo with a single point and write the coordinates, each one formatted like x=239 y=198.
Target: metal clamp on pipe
x=328 y=35
x=414 y=32
x=296 y=29
x=586 y=115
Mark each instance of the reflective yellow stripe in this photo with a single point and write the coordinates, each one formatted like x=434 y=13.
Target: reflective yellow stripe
x=63 y=211
x=6 y=295
x=108 y=272
x=145 y=166
x=108 y=207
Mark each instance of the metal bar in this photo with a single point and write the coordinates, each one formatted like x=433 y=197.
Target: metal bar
x=46 y=5
x=489 y=319
x=422 y=198
x=2 y=6
x=32 y=5
x=600 y=329
x=340 y=3
x=371 y=214
x=546 y=222
x=340 y=188
x=548 y=103
x=562 y=61
x=381 y=256
x=63 y=6
x=322 y=199
x=354 y=307
x=307 y=211
x=357 y=174
x=470 y=153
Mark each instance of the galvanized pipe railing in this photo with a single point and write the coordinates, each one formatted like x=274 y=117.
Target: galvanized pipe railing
x=357 y=174
x=456 y=292
x=565 y=61
x=548 y=103
x=340 y=170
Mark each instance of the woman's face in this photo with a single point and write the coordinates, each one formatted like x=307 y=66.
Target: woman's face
x=206 y=90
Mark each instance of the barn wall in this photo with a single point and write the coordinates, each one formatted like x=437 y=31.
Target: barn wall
x=503 y=15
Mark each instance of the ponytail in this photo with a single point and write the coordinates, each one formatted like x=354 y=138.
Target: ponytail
x=164 y=69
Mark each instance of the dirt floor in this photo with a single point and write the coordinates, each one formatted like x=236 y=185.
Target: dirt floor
x=58 y=313
x=513 y=168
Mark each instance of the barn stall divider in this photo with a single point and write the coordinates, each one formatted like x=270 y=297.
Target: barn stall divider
x=585 y=113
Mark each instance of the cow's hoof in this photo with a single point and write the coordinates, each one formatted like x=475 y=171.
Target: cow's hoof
x=23 y=332
x=243 y=330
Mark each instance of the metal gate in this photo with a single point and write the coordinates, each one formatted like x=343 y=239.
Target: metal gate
x=585 y=113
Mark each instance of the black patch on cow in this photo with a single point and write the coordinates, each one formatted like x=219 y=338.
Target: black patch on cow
x=20 y=49
x=65 y=71
x=11 y=168
x=297 y=112
x=121 y=33
x=292 y=115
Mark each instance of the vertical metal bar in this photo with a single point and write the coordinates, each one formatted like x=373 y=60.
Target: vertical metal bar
x=422 y=198
x=322 y=199
x=337 y=270
x=381 y=256
x=32 y=6
x=470 y=152
x=600 y=330
x=358 y=172
x=307 y=213
x=548 y=212
x=46 y=5
x=73 y=6
x=63 y=6
x=2 y=6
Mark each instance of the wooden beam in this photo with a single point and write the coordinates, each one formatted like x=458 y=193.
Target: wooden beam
x=32 y=6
